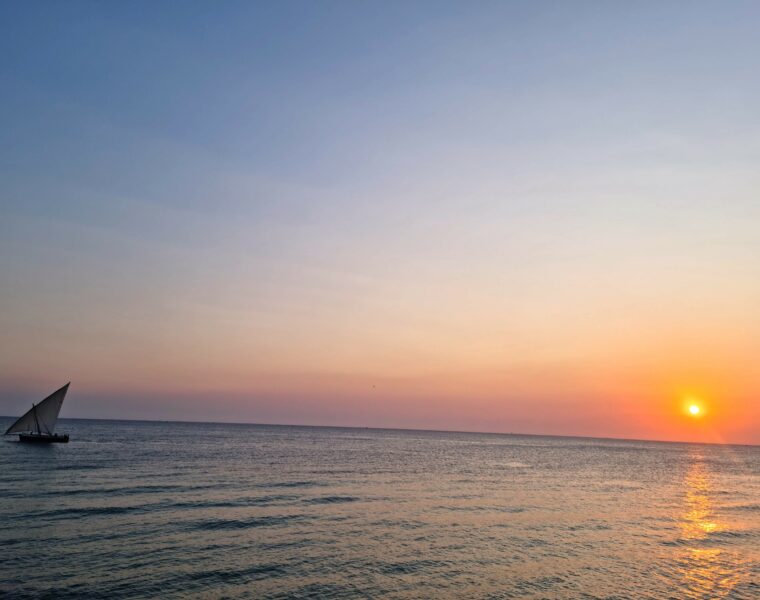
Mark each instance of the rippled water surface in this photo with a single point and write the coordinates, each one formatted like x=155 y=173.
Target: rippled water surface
x=132 y=510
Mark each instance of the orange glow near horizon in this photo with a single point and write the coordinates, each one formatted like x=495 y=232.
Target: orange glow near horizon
x=423 y=383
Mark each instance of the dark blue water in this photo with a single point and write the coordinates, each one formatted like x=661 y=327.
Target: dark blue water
x=136 y=510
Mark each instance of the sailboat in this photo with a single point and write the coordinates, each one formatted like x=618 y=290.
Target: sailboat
x=38 y=423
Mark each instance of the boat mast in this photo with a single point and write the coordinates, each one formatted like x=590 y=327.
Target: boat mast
x=34 y=412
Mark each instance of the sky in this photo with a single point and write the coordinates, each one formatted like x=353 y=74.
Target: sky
x=530 y=217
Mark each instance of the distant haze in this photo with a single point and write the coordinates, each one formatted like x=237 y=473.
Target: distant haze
x=533 y=217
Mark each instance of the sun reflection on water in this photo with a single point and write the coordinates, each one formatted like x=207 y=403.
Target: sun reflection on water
x=708 y=571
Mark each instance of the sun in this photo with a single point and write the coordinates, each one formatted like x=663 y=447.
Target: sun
x=694 y=407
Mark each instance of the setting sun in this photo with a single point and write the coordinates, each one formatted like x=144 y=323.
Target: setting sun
x=694 y=407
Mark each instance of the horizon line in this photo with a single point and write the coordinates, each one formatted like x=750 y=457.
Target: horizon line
x=512 y=433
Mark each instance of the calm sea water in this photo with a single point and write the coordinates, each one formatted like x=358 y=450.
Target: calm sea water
x=133 y=509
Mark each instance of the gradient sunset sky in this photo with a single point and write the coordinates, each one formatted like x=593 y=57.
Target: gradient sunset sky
x=538 y=217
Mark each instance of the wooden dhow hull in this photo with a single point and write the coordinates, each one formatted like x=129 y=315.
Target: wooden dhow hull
x=43 y=438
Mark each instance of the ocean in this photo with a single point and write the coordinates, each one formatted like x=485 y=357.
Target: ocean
x=175 y=510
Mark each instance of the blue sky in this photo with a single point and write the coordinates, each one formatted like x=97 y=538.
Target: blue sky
x=272 y=198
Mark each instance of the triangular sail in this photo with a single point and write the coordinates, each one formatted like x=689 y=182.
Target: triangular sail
x=42 y=417
x=25 y=424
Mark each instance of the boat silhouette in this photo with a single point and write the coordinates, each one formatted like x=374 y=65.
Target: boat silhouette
x=38 y=423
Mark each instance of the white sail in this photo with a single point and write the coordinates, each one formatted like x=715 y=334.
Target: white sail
x=42 y=417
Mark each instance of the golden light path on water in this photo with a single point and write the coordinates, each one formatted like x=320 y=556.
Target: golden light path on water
x=708 y=571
